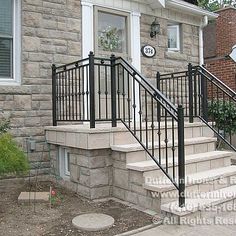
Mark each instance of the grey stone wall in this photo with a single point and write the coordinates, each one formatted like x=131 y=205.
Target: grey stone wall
x=164 y=61
x=51 y=33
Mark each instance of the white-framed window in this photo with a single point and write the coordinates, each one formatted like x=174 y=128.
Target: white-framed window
x=111 y=31
x=173 y=33
x=10 y=42
x=64 y=162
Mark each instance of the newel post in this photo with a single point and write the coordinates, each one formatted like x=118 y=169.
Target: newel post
x=54 y=98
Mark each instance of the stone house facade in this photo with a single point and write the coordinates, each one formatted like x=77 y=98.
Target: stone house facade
x=42 y=32
x=219 y=38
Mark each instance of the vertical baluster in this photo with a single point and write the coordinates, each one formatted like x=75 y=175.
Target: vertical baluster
x=72 y=93
x=106 y=92
x=158 y=75
x=195 y=92
x=99 y=91
x=190 y=92
x=113 y=91
x=118 y=92
x=124 y=93
x=173 y=146
x=152 y=126
x=59 y=95
x=146 y=118
x=140 y=113
x=66 y=92
x=80 y=99
x=54 y=105
x=76 y=92
x=129 y=100
x=134 y=103
x=166 y=141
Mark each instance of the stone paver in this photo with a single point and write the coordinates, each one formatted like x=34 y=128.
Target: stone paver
x=93 y=222
x=33 y=197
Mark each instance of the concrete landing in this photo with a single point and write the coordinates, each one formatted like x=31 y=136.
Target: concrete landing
x=93 y=222
x=33 y=197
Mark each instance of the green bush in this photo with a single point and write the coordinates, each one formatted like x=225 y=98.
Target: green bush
x=223 y=113
x=12 y=158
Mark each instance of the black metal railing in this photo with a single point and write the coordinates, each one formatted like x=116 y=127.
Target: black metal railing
x=98 y=89
x=204 y=96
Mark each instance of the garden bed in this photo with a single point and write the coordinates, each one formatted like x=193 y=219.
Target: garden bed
x=38 y=219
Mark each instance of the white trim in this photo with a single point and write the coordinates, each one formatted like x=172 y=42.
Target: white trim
x=16 y=80
x=87 y=38
x=177 y=27
x=190 y=8
x=201 y=54
x=135 y=53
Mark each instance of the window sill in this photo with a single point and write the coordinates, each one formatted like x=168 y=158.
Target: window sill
x=176 y=55
x=9 y=82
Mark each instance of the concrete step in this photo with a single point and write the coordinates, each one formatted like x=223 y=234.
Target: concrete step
x=195 y=183
x=206 y=205
x=193 y=163
x=135 y=152
x=123 y=136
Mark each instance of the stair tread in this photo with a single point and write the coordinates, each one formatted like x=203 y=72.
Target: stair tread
x=192 y=179
x=137 y=146
x=151 y=165
x=203 y=201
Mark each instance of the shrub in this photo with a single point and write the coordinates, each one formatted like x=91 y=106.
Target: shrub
x=223 y=113
x=12 y=158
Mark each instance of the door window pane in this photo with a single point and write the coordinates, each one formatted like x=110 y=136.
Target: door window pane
x=111 y=32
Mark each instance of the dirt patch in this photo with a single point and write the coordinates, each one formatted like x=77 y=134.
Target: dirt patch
x=29 y=219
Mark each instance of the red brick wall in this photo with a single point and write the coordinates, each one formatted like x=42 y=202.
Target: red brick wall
x=221 y=67
x=225 y=70
x=225 y=31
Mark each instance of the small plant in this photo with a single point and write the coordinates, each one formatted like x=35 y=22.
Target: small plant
x=12 y=158
x=223 y=113
x=55 y=198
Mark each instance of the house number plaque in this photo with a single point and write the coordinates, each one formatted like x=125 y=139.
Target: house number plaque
x=148 y=51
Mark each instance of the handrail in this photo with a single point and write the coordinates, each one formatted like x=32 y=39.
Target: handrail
x=201 y=90
x=218 y=81
x=113 y=90
x=158 y=93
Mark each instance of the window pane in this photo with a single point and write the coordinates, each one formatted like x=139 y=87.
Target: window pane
x=112 y=32
x=6 y=10
x=172 y=37
x=5 y=57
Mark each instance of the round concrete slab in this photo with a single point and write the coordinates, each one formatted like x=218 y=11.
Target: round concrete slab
x=93 y=222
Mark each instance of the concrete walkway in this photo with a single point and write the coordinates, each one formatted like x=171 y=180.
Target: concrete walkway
x=225 y=225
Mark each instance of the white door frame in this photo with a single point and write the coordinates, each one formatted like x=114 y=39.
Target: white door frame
x=88 y=41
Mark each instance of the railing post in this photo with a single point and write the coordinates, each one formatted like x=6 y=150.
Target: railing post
x=91 y=90
x=54 y=96
x=181 y=156
x=158 y=85
x=113 y=91
x=190 y=92
x=204 y=98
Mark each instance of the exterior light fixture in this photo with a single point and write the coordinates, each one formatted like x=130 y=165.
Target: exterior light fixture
x=155 y=28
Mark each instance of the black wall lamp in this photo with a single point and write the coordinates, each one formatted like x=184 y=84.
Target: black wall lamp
x=155 y=28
